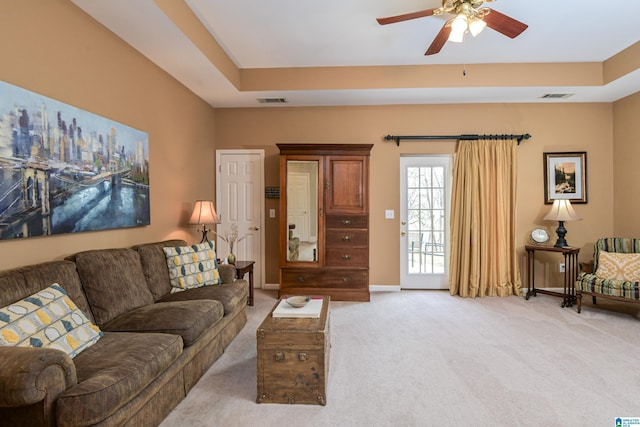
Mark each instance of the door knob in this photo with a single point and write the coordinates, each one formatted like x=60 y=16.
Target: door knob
x=255 y=228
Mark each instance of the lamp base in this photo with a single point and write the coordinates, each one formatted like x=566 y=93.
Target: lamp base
x=561 y=232
x=205 y=231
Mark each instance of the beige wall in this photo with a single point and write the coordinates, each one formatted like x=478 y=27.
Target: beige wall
x=52 y=48
x=626 y=172
x=555 y=127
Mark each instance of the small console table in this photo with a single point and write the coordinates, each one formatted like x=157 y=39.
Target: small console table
x=242 y=268
x=570 y=272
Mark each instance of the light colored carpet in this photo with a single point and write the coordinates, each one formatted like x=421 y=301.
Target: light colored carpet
x=425 y=358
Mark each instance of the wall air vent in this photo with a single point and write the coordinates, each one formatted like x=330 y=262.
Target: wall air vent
x=272 y=100
x=556 y=95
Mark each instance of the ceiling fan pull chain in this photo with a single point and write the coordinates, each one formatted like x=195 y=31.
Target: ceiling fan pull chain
x=464 y=55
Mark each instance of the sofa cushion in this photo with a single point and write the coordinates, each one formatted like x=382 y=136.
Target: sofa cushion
x=13 y=287
x=113 y=372
x=591 y=283
x=61 y=272
x=189 y=319
x=619 y=266
x=192 y=266
x=47 y=319
x=229 y=294
x=113 y=282
x=154 y=265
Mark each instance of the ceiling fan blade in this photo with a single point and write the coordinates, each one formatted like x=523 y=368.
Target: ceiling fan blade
x=504 y=24
x=441 y=39
x=405 y=17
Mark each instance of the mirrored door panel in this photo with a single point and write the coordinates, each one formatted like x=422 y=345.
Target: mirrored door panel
x=302 y=210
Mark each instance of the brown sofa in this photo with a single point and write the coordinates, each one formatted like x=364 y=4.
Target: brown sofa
x=155 y=347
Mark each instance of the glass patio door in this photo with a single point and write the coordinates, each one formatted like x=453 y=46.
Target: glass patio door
x=424 y=221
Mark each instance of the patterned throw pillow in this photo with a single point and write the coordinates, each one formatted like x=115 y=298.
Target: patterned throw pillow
x=619 y=266
x=48 y=319
x=192 y=266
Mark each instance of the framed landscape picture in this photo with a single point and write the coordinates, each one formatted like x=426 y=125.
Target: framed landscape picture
x=565 y=176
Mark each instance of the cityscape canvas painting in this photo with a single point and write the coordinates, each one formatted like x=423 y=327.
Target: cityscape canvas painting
x=65 y=170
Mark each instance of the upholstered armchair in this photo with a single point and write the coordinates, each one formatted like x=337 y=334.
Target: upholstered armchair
x=614 y=272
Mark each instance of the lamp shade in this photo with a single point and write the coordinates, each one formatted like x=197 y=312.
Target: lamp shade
x=204 y=213
x=562 y=211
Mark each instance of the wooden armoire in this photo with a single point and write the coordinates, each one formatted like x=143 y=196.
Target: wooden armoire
x=324 y=220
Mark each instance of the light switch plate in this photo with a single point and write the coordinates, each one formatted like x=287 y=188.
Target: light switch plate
x=272 y=213
x=389 y=214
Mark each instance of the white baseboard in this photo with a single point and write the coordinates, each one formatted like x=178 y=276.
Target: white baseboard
x=396 y=288
x=384 y=288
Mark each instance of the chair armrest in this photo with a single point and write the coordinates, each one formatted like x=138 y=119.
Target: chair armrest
x=227 y=273
x=586 y=267
x=29 y=375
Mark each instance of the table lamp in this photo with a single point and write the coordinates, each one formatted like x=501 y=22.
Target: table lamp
x=562 y=211
x=204 y=213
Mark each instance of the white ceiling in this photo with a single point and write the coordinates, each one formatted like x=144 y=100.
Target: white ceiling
x=259 y=34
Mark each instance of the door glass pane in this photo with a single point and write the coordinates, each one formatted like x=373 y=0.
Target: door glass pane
x=426 y=219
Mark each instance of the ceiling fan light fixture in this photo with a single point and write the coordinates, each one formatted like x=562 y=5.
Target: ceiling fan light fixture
x=476 y=26
x=458 y=28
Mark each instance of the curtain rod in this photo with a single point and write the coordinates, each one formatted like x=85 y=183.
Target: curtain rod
x=458 y=137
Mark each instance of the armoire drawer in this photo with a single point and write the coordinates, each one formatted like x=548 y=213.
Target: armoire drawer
x=324 y=278
x=347 y=237
x=347 y=221
x=347 y=257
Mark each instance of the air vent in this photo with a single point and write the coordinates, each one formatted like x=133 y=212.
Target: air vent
x=272 y=100
x=556 y=95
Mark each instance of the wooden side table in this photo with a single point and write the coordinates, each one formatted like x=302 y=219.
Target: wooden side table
x=570 y=272
x=242 y=268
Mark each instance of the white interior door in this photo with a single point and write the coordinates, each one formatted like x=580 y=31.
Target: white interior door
x=240 y=200
x=425 y=188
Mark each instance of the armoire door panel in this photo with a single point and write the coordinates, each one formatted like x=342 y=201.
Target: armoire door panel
x=345 y=184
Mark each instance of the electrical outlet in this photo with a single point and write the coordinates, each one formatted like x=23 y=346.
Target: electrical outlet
x=562 y=267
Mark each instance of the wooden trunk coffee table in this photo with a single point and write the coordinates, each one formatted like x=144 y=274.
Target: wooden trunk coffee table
x=293 y=358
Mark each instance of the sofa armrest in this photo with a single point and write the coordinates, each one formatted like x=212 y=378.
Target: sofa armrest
x=29 y=375
x=227 y=273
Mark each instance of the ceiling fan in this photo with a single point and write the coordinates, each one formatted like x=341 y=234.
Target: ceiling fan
x=469 y=17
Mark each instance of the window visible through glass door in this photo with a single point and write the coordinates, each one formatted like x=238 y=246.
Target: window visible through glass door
x=426 y=190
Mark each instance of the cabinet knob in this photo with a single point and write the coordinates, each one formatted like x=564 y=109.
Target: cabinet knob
x=300 y=278
x=345 y=279
x=302 y=356
x=279 y=356
x=346 y=238
x=346 y=222
x=346 y=257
